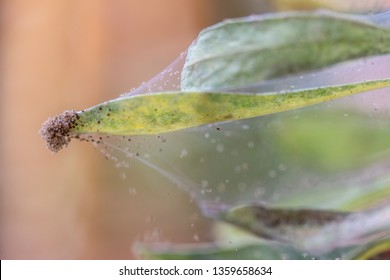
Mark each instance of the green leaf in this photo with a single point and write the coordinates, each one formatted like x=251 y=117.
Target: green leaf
x=233 y=246
x=341 y=139
x=311 y=230
x=260 y=250
x=248 y=50
x=255 y=251
x=237 y=245
x=291 y=226
x=377 y=250
x=157 y=113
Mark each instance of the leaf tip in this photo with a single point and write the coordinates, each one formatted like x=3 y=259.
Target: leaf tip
x=56 y=131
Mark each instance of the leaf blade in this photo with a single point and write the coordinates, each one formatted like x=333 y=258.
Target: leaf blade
x=165 y=112
x=248 y=50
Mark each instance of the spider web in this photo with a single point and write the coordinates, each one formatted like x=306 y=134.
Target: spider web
x=262 y=159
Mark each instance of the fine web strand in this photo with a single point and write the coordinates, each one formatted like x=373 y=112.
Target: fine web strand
x=175 y=179
x=166 y=80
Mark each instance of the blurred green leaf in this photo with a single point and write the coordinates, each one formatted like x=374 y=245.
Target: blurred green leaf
x=248 y=50
x=377 y=250
x=317 y=232
x=258 y=250
x=342 y=140
x=255 y=251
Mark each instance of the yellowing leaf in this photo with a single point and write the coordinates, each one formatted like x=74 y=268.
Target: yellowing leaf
x=169 y=111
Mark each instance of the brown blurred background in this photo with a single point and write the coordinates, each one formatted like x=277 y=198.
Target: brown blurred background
x=58 y=55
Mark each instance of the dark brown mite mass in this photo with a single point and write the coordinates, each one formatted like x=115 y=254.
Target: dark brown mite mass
x=56 y=131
